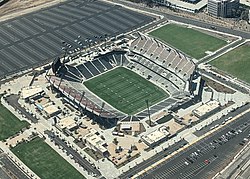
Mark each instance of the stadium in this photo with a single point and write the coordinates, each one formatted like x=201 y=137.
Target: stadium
x=138 y=76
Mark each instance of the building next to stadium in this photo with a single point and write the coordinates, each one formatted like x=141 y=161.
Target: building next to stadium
x=223 y=8
x=206 y=109
x=184 y=5
x=150 y=58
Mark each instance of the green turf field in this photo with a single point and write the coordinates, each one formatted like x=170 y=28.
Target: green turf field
x=125 y=90
x=44 y=161
x=190 y=41
x=235 y=62
x=9 y=123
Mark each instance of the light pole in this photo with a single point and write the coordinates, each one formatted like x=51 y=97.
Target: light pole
x=148 y=112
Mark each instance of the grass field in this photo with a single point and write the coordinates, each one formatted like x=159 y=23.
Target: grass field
x=190 y=41
x=125 y=90
x=9 y=123
x=44 y=161
x=235 y=62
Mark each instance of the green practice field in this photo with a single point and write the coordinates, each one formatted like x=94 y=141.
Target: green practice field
x=235 y=62
x=190 y=41
x=44 y=161
x=9 y=123
x=125 y=90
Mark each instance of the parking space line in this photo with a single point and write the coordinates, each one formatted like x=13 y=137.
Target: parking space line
x=27 y=29
x=59 y=17
x=65 y=36
x=3 y=41
x=103 y=24
x=42 y=46
x=32 y=25
x=6 y=35
x=25 y=57
x=28 y=47
x=49 y=43
x=69 y=11
x=18 y=32
x=81 y=29
x=46 y=18
x=66 y=14
x=36 y=46
x=14 y=62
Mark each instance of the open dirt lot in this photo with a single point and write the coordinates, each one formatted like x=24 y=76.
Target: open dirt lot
x=14 y=8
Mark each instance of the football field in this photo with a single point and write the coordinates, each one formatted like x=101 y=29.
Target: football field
x=192 y=42
x=44 y=161
x=125 y=90
x=235 y=62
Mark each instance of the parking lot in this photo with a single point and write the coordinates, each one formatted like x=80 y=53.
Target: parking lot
x=10 y=170
x=36 y=38
x=154 y=159
x=207 y=157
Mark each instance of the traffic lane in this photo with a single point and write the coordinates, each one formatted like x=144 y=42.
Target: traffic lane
x=13 y=101
x=3 y=174
x=188 y=20
x=229 y=83
x=207 y=25
x=180 y=161
x=228 y=150
x=191 y=150
x=76 y=156
x=154 y=159
x=222 y=120
x=221 y=154
x=12 y=167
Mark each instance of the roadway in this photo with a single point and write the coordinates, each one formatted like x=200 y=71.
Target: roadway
x=13 y=101
x=221 y=121
x=154 y=159
x=239 y=168
x=208 y=156
x=11 y=168
x=75 y=155
x=186 y=20
x=223 y=81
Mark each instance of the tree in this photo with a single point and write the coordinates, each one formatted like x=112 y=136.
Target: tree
x=115 y=141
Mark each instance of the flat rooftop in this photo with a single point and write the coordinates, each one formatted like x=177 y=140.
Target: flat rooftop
x=67 y=122
x=187 y=6
x=30 y=91
x=206 y=108
x=156 y=135
x=51 y=109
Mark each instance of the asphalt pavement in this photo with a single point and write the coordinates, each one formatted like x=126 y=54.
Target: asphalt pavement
x=36 y=38
x=12 y=169
x=154 y=159
x=13 y=101
x=222 y=120
x=76 y=156
x=223 y=81
x=208 y=156
x=187 y=20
